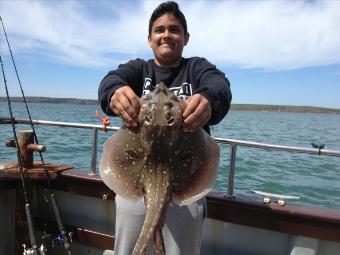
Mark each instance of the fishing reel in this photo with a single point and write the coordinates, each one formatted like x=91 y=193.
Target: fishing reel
x=47 y=241
x=30 y=251
x=61 y=240
x=42 y=249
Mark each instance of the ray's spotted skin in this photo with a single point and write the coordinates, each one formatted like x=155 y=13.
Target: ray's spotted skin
x=159 y=161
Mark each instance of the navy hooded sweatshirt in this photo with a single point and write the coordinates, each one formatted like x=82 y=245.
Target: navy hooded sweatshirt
x=193 y=75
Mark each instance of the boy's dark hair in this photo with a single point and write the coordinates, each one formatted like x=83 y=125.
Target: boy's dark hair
x=168 y=7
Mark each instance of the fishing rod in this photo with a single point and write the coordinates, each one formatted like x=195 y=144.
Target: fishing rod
x=35 y=249
x=63 y=238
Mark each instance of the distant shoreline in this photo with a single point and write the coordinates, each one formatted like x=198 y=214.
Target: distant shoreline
x=235 y=107
x=282 y=108
x=51 y=100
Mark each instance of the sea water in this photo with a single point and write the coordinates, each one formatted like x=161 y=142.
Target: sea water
x=316 y=179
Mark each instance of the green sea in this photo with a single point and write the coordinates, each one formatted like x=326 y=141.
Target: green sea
x=316 y=179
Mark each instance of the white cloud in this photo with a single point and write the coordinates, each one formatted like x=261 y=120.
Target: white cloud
x=248 y=34
x=268 y=34
x=67 y=31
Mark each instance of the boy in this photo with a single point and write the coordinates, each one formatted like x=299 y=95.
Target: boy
x=206 y=92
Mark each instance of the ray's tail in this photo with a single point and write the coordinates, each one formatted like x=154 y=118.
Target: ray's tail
x=157 y=198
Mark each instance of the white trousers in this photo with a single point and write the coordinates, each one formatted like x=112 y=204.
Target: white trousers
x=182 y=230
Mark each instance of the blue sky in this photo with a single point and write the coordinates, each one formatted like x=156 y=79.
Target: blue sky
x=273 y=52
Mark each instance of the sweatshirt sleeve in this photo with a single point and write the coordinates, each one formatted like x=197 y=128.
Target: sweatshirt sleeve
x=126 y=74
x=215 y=87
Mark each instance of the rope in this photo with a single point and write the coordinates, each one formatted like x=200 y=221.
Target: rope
x=105 y=121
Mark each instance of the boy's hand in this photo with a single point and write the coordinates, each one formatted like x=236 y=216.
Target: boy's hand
x=197 y=113
x=125 y=103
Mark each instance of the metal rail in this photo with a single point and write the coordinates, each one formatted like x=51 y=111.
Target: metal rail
x=55 y=123
x=234 y=144
x=314 y=151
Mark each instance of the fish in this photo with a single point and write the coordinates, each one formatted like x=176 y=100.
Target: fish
x=158 y=161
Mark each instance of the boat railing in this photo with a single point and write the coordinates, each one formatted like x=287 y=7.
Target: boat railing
x=233 y=142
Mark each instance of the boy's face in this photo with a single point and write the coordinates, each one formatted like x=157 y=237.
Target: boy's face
x=167 y=40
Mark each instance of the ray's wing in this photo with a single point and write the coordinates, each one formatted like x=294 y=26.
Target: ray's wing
x=197 y=167
x=121 y=163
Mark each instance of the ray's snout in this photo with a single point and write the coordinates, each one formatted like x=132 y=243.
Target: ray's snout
x=160 y=108
x=162 y=88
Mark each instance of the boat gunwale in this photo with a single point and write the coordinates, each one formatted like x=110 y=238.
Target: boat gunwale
x=297 y=219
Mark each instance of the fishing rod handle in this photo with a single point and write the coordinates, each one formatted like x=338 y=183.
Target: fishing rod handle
x=62 y=231
x=31 y=229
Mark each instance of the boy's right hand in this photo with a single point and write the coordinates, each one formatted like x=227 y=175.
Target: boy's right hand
x=125 y=103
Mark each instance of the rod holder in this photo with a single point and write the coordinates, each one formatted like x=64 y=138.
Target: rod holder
x=26 y=146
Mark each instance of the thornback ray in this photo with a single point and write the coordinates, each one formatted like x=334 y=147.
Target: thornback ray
x=158 y=161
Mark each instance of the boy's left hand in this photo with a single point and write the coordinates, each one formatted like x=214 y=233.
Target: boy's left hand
x=197 y=113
